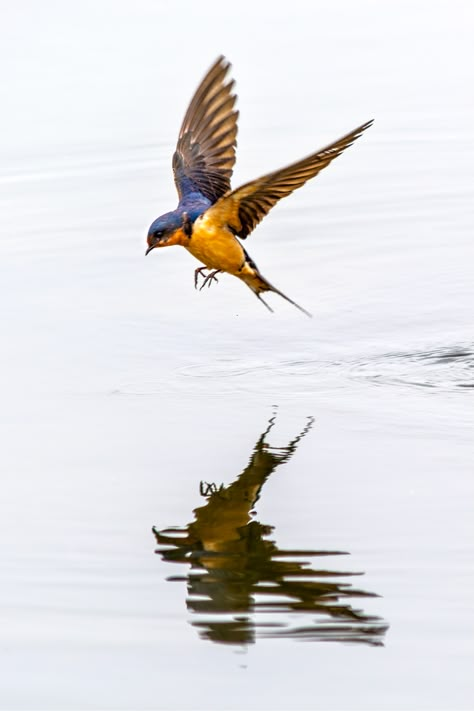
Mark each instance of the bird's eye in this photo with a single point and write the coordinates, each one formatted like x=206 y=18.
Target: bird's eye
x=159 y=234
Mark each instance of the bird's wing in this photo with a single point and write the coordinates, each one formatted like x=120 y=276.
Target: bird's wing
x=242 y=209
x=205 y=152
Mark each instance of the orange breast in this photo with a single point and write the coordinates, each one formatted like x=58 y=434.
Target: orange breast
x=215 y=246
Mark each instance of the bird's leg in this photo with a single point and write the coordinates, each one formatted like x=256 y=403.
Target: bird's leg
x=207 y=490
x=210 y=278
x=197 y=272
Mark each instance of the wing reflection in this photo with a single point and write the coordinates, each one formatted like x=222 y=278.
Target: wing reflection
x=242 y=585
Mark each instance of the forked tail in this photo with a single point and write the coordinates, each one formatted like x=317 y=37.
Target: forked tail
x=259 y=285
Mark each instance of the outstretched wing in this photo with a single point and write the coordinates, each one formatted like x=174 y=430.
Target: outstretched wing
x=243 y=208
x=205 y=152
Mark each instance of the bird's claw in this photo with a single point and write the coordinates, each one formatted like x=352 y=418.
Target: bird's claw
x=207 y=490
x=210 y=278
x=197 y=272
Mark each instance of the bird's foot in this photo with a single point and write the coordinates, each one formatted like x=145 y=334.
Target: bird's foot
x=207 y=490
x=199 y=272
x=210 y=278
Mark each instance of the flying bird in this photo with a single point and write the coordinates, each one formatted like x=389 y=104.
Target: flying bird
x=211 y=218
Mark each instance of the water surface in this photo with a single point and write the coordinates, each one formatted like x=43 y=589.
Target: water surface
x=204 y=505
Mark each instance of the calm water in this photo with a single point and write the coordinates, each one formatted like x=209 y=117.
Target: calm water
x=206 y=506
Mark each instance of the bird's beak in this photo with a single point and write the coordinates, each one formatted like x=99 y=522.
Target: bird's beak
x=149 y=249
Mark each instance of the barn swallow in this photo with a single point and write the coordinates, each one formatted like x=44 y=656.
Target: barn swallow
x=210 y=216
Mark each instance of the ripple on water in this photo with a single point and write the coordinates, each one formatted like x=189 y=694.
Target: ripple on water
x=448 y=368
x=445 y=368
x=236 y=374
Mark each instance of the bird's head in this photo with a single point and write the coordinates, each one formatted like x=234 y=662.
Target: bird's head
x=165 y=231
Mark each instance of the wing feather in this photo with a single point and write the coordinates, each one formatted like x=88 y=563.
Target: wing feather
x=205 y=152
x=246 y=206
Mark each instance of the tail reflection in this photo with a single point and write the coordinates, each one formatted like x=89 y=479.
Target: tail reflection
x=241 y=585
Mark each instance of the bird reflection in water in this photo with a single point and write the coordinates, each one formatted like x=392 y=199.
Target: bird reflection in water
x=241 y=585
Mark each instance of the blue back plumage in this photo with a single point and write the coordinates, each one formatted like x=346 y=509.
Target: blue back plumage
x=194 y=204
